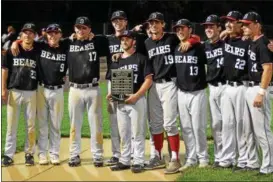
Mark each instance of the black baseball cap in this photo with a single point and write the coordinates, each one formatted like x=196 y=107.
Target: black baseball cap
x=156 y=16
x=181 y=23
x=128 y=33
x=119 y=15
x=212 y=20
x=83 y=20
x=30 y=27
x=251 y=17
x=233 y=15
x=53 y=28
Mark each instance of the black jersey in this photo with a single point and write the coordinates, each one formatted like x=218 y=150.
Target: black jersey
x=258 y=54
x=215 y=61
x=161 y=54
x=190 y=68
x=115 y=47
x=235 y=56
x=22 y=69
x=52 y=65
x=140 y=66
x=83 y=59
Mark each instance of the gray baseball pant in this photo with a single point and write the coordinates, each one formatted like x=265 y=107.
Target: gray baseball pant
x=50 y=107
x=258 y=132
x=233 y=137
x=193 y=118
x=78 y=101
x=132 y=123
x=16 y=99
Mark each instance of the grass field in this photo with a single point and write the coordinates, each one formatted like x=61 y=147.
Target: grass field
x=194 y=174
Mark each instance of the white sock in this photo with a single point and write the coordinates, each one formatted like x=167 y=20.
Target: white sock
x=174 y=155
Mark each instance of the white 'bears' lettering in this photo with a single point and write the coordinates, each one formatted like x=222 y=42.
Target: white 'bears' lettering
x=24 y=62
x=159 y=50
x=186 y=59
x=252 y=55
x=235 y=50
x=115 y=49
x=52 y=56
x=77 y=48
x=130 y=66
x=214 y=53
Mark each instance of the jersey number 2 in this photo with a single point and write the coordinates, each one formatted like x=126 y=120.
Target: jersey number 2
x=240 y=64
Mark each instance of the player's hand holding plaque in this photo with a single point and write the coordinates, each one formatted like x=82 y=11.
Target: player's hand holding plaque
x=122 y=84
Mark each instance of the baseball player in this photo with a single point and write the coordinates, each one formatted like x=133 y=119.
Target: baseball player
x=214 y=49
x=50 y=100
x=192 y=101
x=83 y=63
x=162 y=98
x=258 y=106
x=235 y=68
x=119 y=23
x=132 y=114
x=19 y=84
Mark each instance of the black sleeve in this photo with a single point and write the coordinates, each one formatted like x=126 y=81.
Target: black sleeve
x=140 y=43
x=202 y=54
x=6 y=60
x=65 y=42
x=265 y=54
x=146 y=63
x=102 y=44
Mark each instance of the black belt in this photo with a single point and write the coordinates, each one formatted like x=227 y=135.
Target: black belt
x=163 y=80
x=217 y=84
x=51 y=87
x=234 y=83
x=87 y=85
x=252 y=83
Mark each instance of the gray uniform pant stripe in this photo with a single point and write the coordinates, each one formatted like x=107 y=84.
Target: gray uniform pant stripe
x=233 y=137
x=78 y=101
x=216 y=110
x=193 y=117
x=16 y=99
x=132 y=123
x=258 y=132
x=115 y=138
x=50 y=107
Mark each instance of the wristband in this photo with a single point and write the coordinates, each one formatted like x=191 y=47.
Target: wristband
x=262 y=91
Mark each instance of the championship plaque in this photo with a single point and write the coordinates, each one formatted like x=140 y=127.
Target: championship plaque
x=122 y=83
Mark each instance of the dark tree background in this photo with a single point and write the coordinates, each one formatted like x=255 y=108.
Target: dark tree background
x=99 y=12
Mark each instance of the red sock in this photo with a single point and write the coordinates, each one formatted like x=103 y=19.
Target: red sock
x=174 y=144
x=158 y=141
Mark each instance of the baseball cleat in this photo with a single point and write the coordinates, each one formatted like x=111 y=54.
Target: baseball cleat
x=119 y=167
x=186 y=166
x=43 y=159
x=173 y=167
x=6 y=161
x=98 y=162
x=74 y=161
x=215 y=165
x=203 y=165
x=29 y=160
x=55 y=160
x=252 y=169
x=137 y=168
x=112 y=161
x=155 y=163
x=236 y=169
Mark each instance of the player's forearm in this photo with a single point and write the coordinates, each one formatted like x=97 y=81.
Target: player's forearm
x=266 y=76
x=4 y=78
x=194 y=39
x=145 y=86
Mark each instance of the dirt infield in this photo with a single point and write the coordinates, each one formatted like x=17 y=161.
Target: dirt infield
x=85 y=172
